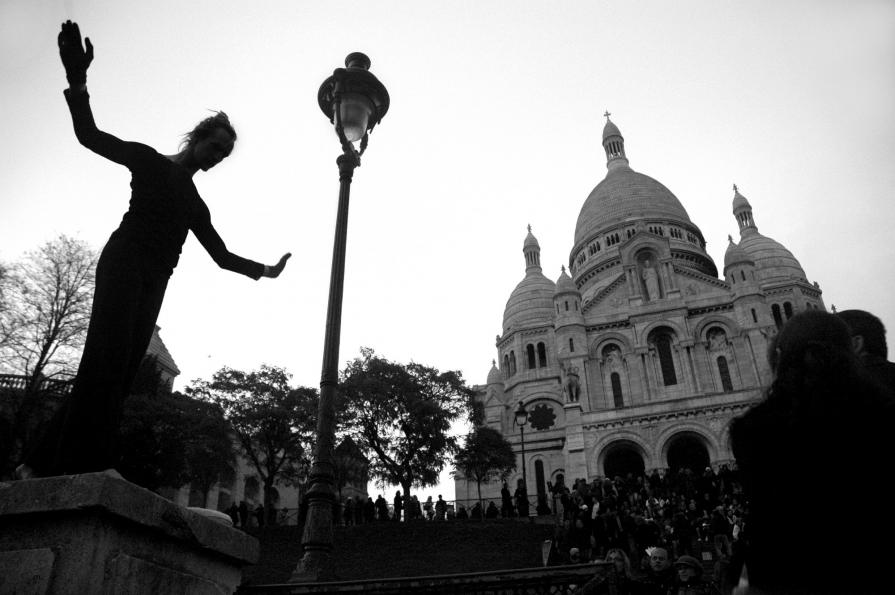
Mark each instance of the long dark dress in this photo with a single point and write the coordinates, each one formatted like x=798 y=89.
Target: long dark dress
x=131 y=278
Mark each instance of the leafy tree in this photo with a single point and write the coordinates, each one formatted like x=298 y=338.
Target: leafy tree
x=402 y=414
x=169 y=439
x=349 y=465
x=486 y=456
x=48 y=297
x=273 y=423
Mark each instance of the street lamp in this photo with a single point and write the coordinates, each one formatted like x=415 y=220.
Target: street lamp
x=354 y=101
x=522 y=419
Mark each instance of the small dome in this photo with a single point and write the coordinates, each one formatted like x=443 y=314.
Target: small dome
x=735 y=255
x=610 y=129
x=739 y=201
x=531 y=301
x=565 y=284
x=530 y=240
x=494 y=375
x=772 y=260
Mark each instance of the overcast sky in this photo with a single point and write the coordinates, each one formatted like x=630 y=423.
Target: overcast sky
x=495 y=123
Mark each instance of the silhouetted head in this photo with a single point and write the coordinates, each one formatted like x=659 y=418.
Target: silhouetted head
x=867 y=331
x=809 y=342
x=210 y=141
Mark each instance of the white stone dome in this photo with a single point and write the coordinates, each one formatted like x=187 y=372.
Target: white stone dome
x=772 y=260
x=531 y=302
x=623 y=194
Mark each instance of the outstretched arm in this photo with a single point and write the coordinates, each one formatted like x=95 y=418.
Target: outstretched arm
x=76 y=60
x=214 y=245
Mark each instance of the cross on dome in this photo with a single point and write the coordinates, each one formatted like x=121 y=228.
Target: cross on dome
x=529 y=228
x=735 y=189
x=607 y=114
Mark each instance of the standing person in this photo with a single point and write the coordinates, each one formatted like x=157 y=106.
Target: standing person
x=259 y=515
x=132 y=272
x=369 y=510
x=399 y=505
x=440 y=509
x=660 y=575
x=233 y=513
x=429 y=507
x=617 y=580
x=381 y=508
x=506 y=502
x=689 y=580
x=868 y=336
x=521 y=496
x=821 y=415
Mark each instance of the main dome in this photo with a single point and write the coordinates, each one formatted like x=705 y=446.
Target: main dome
x=625 y=193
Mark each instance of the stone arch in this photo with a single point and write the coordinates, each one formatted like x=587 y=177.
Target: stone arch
x=702 y=431
x=622 y=457
x=678 y=331
x=602 y=446
x=730 y=326
x=597 y=346
x=664 y=345
x=687 y=450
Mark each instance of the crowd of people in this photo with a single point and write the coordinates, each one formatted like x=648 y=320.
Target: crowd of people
x=681 y=511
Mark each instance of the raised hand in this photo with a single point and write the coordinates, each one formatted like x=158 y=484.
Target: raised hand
x=274 y=271
x=74 y=58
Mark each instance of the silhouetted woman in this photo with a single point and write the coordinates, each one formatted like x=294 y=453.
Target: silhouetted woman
x=132 y=272
x=821 y=419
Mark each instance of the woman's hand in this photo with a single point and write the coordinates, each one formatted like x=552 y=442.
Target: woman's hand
x=274 y=271
x=74 y=58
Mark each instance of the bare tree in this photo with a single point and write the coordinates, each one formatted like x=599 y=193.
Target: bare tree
x=48 y=297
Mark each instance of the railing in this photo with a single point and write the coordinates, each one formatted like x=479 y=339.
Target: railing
x=53 y=386
x=289 y=516
x=554 y=580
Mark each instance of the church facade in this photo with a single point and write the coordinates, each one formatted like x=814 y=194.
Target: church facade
x=639 y=356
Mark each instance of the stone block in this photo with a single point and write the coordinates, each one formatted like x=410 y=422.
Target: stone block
x=96 y=533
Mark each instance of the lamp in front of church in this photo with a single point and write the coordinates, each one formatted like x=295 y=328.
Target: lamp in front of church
x=521 y=415
x=354 y=101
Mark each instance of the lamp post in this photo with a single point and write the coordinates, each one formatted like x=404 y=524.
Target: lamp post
x=354 y=101
x=522 y=419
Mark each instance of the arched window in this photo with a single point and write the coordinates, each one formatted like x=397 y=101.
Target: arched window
x=567 y=305
x=754 y=316
x=571 y=344
x=539 y=480
x=666 y=362
x=778 y=319
x=530 y=353
x=617 y=390
x=724 y=371
x=506 y=366
x=542 y=355
x=512 y=363
x=743 y=275
x=787 y=309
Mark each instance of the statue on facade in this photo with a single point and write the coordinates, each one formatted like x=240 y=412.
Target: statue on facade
x=572 y=386
x=651 y=279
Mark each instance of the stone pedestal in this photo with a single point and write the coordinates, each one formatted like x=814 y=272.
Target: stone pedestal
x=96 y=533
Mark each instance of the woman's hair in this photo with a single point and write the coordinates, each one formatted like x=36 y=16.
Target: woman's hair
x=204 y=129
x=814 y=365
x=624 y=556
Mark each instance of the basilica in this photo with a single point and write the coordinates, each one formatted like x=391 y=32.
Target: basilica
x=640 y=354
